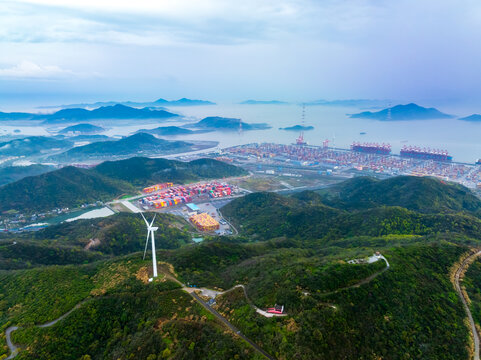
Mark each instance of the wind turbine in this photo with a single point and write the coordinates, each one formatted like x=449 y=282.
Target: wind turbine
x=150 y=230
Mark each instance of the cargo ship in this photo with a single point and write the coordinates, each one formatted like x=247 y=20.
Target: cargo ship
x=425 y=153
x=371 y=148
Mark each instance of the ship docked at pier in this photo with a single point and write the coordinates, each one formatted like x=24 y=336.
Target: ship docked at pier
x=425 y=153
x=371 y=148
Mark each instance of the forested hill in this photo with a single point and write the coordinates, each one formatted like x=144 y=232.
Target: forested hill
x=363 y=206
x=423 y=194
x=71 y=187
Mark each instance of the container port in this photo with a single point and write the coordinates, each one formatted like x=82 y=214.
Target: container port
x=170 y=195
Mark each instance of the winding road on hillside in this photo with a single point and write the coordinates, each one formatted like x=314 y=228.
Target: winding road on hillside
x=457 y=278
x=8 y=332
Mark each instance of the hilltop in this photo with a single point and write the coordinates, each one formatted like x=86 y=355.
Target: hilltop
x=137 y=144
x=222 y=123
x=474 y=118
x=10 y=174
x=403 y=112
x=423 y=194
x=82 y=129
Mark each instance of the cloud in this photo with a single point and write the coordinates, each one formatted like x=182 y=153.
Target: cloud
x=30 y=70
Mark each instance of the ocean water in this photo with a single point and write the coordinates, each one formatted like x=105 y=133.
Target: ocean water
x=460 y=138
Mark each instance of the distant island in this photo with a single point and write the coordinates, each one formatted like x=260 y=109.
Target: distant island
x=473 y=118
x=350 y=102
x=222 y=123
x=403 y=112
x=169 y=131
x=115 y=112
x=82 y=129
x=263 y=102
x=134 y=145
x=298 y=128
x=158 y=102
x=33 y=145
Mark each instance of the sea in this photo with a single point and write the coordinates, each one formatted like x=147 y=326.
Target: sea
x=332 y=123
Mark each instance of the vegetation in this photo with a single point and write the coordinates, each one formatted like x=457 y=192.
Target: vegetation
x=13 y=173
x=72 y=187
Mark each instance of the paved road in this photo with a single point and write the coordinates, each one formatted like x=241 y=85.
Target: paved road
x=465 y=264
x=8 y=332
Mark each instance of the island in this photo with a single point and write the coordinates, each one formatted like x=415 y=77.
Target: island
x=81 y=129
x=298 y=128
x=473 y=118
x=169 y=131
x=403 y=112
x=114 y=112
x=222 y=123
x=158 y=102
x=350 y=103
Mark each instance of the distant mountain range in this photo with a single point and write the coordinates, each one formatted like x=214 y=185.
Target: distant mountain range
x=159 y=102
x=102 y=113
x=350 y=103
x=474 y=118
x=137 y=144
x=82 y=129
x=298 y=128
x=403 y=112
x=263 y=102
x=222 y=123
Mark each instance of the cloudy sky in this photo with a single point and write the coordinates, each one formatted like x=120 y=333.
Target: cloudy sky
x=55 y=51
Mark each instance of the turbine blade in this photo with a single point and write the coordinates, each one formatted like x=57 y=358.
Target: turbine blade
x=146 y=243
x=146 y=223
x=153 y=220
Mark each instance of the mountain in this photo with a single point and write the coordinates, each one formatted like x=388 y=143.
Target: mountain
x=70 y=186
x=423 y=194
x=16 y=116
x=168 y=131
x=403 y=112
x=222 y=123
x=33 y=145
x=298 y=128
x=13 y=173
x=263 y=102
x=105 y=113
x=143 y=171
x=159 y=102
x=140 y=143
x=66 y=187
x=82 y=129
x=182 y=102
x=474 y=118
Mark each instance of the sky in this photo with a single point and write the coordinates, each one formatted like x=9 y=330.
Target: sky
x=60 y=51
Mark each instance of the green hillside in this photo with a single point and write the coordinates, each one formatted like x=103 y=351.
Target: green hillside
x=291 y=250
x=422 y=194
x=144 y=171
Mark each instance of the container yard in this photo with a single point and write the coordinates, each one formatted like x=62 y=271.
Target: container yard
x=171 y=195
x=156 y=187
x=204 y=222
x=373 y=158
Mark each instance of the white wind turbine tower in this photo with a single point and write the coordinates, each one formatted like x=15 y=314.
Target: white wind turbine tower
x=150 y=230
